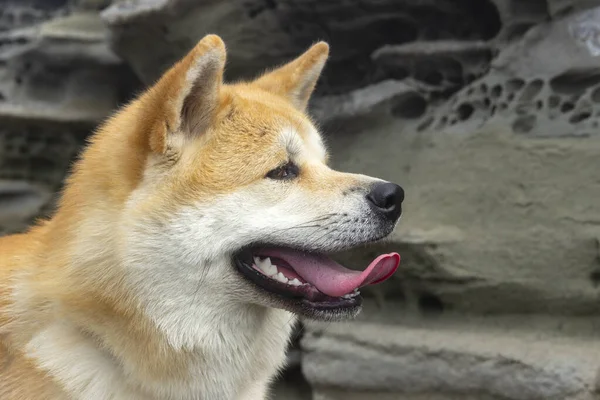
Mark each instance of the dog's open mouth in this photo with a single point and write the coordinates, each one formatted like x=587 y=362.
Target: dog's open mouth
x=315 y=279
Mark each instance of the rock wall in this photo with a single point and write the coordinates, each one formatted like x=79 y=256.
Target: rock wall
x=486 y=111
x=58 y=79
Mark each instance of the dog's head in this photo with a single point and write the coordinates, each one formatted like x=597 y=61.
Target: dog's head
x=237 y=203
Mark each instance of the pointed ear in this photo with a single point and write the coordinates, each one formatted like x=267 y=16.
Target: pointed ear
x=296 y=80
x=185 y=99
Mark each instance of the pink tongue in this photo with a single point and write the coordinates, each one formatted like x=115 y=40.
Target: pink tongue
x=330 y=277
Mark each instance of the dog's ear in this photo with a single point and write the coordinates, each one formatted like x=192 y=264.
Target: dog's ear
x=186 y=98
x=296 y=80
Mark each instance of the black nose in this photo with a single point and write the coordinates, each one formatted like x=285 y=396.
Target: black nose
x=386 y=198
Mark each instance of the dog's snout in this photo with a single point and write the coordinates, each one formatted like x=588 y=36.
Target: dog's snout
x=386 y=198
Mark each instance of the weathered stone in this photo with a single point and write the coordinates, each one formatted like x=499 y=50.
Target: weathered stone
x=22 y=13
x=341 y=394
x=518 y=17
x=61 y=70
x=95 y=5
x=291 y=386
x=34 y=160
x=440 y=66
x=58 y=79
x=151 y=34
x=546 y=84
x=364 y=101
x=451 y=359
x=562 y=7
x=19 y=203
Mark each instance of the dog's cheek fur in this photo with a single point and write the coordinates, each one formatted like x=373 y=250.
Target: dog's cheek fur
x=178 y=268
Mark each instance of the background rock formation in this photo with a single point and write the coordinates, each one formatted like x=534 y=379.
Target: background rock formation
x=486 y=111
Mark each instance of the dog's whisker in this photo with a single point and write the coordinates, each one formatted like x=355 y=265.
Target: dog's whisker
x=315 y=240
x=305 y=224
x=295 y=227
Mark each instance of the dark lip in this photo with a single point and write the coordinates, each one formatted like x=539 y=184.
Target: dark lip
x=302 y=296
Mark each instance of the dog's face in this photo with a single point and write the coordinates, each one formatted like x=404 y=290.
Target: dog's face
x=238 y=202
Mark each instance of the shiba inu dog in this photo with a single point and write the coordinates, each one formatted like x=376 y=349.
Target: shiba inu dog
x=191 y=232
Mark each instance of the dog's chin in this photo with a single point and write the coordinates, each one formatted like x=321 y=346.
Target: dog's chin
x=308 y=283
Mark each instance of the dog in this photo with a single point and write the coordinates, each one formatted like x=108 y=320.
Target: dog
x=191 y=233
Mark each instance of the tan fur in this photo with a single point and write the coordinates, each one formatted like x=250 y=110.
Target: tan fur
x=66 y=285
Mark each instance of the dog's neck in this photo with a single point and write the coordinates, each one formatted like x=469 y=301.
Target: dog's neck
x=164 y=336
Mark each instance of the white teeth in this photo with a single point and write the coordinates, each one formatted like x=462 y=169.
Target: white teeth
x=295 y=282
x=351 y=295
x=281 y=278
x=266 y=266
x=271 y=271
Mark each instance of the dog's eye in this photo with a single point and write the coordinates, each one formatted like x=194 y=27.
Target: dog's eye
x=287 y=171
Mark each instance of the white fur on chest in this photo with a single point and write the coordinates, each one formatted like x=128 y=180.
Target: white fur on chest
x=180 y=271
x=237 y=353
x=237 y=343
x=81 y=368
x=228 y=370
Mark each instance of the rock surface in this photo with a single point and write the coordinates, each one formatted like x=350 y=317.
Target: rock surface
x=260 y=33
x=486 y=111
x=546 y=84
x=58 y=80
x=34 y=160
x=403 y=359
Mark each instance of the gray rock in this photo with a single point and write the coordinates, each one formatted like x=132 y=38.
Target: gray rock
x=61 y=70
x=519 y=16
x=23 y=13
x=341 y=394
x=291 y=386
x=446 y=359
x=547 y=84
x=34 y=160
x=442 y=66
x=19 y=203
x=562 y=7
x=58 y=79
x=151 y=34
x=95 y=5
x=365 y=101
